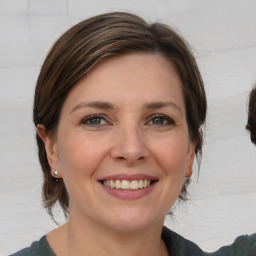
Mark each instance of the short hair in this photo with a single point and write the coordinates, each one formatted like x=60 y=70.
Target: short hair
x=86 y=44
x=251 y=121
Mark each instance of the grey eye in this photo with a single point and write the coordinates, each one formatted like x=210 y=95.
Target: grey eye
x=161 y=120
x=94 y=121
x=158 y=120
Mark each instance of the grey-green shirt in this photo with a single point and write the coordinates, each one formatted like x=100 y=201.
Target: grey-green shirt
x=176 y=246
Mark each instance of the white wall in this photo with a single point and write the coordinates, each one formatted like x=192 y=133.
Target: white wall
x=223 y=34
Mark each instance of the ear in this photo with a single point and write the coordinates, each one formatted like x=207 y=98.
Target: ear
x=51 y=148
x=190 y=159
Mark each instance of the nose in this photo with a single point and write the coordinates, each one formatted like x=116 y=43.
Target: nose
x=129 y=146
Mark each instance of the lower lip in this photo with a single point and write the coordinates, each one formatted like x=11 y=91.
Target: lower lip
x=129 y=194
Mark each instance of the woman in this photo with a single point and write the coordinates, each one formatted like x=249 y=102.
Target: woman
x=119 y=108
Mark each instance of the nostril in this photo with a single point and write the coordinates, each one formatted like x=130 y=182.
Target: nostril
x=121 y=158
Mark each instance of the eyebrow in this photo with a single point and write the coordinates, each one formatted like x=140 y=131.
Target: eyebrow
x=93 y=104
x=158 y=105
x=107 y=105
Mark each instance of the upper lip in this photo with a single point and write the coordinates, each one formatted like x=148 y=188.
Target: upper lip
x=129 y=177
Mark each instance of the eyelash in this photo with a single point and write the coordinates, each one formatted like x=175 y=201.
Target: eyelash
x=167 y=121
x=86 y=120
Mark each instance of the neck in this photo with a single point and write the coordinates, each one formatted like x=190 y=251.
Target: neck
x=87 y=238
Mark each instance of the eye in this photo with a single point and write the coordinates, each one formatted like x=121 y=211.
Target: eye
x=161 y=120
x=95 y=120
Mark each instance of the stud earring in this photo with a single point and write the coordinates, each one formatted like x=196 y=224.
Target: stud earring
x=55 y=173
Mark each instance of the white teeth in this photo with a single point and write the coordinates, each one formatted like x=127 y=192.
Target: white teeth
x=140 y=184
x=112 y=184
x=125 y=184
x=134 y=184
x=118 y=184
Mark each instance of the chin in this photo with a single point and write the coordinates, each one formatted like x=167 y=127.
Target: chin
x=130 y=221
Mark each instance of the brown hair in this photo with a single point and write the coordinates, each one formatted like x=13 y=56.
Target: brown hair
x=251 y=123
x=83 y=46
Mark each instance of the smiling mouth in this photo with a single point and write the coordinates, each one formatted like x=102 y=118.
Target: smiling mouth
x=128 y=185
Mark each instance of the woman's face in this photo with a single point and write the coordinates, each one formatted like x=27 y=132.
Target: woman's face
x=122 y=144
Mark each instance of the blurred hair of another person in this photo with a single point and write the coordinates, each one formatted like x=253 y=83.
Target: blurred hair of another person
x=251 y=123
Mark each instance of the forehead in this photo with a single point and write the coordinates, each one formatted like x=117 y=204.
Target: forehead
x=129 y=78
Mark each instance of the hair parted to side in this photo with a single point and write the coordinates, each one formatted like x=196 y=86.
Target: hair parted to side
x=78 y=50
x=251 y=123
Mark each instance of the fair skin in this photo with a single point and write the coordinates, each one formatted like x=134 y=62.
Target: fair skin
x=123 y=149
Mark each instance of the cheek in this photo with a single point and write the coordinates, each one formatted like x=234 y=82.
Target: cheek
x=79 y=155
x=79 y=161
x=172 y=155
x=175 y=147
